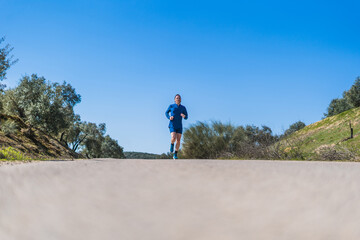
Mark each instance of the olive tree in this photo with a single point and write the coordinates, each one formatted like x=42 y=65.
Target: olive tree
x=90 y=141
x=42 y=104
x=350 y=99
x=6 y=60
x=353 y=95
x=294 y=127
x=111 y=149
x=337 y=106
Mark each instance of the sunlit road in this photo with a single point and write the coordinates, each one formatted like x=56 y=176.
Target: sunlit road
x=184 y=199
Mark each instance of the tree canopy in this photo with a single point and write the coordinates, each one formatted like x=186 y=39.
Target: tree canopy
x=6 y=60
x=353 y=95
x=47 y=106
x=337 y=106
x=294 y=127
x=50 y=107
x=90 y=140
x=350 y=99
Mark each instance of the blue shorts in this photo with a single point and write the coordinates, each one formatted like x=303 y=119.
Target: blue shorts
x=177 y=130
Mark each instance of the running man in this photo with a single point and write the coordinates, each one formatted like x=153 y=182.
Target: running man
x=177 y=113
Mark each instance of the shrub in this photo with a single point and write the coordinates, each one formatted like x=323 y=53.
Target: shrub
x=334 y=152
x=287 y=150
x=220 y=140
x=9 y=127
x=10 y=153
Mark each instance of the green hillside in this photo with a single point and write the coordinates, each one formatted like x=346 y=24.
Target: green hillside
x=30 y=143
x=329 y=138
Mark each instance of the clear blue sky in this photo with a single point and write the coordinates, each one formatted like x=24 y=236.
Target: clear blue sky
x=244 y=62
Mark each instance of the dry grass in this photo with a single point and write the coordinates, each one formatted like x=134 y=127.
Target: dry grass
x=330 y=137
x=32 y=142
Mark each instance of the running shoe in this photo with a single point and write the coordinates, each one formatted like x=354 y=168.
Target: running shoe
x=171 y=148
x=175 y=156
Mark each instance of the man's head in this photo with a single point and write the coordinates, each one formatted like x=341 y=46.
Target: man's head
x=177 y=99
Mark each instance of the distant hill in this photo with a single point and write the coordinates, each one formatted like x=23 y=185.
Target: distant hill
x=141 y=155
x=33 y=143
x=144 y=155
x=329 y=136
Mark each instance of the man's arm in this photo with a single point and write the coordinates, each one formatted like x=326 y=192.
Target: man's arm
x=167 y=112
x=186 y=114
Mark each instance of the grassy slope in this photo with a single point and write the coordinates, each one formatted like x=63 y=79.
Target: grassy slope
x=34 y=143
x=330 y=131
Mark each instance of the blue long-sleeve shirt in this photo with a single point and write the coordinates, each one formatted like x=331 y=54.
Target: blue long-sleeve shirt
x=175 y=110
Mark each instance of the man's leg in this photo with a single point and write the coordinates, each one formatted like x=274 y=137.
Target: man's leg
x=173 y=139
x=178 y=139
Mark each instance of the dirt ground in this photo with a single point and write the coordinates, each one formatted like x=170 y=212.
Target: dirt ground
x=183 y=199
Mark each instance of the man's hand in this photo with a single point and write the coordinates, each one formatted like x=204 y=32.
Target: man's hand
x=183 y=115
x=172 y=118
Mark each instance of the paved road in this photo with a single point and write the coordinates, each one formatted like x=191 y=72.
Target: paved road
x=186 y=199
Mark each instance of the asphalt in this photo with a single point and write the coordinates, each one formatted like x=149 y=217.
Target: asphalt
x=182 y=199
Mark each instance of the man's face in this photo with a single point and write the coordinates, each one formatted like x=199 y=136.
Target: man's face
x=177 y=100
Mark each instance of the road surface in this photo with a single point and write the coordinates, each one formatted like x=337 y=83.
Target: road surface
x=179 y=200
